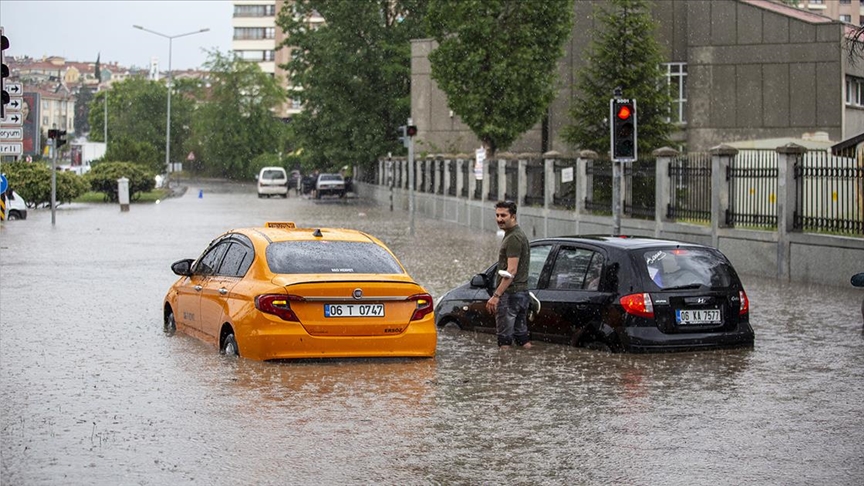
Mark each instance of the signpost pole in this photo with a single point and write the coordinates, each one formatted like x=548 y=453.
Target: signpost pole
x=53 y=143
x=411 y=178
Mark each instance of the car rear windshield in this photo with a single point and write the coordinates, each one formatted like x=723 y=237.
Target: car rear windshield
x=330 y=177
x=273 y=174
x=687 y=268
x=295 y=257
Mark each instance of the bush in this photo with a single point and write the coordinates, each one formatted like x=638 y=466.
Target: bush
x=33 y=182
x=103 y=178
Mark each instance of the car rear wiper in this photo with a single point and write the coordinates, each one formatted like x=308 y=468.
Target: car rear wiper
x=685 y=287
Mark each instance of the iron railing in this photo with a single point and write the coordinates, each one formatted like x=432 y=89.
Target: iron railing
x=752 y=178
x=829 y=194
x=690 y=188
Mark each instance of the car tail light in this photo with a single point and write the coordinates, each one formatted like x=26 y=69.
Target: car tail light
x=424 y=306
x=278 y=305
x=745 y=303
x=638 y=305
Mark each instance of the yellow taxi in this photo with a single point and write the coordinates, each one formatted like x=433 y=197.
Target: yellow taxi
x=282 y=292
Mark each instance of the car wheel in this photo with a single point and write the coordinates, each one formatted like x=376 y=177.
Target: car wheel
x=170 y=325
x=13 y=215
x=449 y=325
x=229 y=346
x=260 y=196
x=341 y=194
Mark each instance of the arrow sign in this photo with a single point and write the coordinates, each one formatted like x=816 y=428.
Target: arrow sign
x=14 y=104
x=12 y=134
x=15 y=89
x=14 y=119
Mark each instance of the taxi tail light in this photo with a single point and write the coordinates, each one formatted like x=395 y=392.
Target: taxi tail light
x=424 y=306
x=278 y=305
x=745 y=303
x=638 y=304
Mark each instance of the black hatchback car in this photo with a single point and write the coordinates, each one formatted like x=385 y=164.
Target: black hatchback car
x=620 y=294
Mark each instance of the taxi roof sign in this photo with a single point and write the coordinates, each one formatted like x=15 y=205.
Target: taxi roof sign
x=280 y=224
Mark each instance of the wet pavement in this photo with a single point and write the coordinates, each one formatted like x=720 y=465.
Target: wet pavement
x=93 y=392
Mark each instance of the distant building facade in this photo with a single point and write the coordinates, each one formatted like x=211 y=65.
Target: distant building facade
x=739 y=70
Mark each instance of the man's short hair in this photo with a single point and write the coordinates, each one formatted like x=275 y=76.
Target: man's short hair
x=508 y=205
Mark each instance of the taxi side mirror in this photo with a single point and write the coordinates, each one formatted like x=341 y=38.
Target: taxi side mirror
x=479 y=280
x=182 y=268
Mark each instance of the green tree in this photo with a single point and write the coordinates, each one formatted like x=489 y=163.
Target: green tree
x=626 y=54
x=235 y=123
x=33 y=182
x=137 y=110
x=496 y=61
x=103 y=178
x=124 y=149
x=355 y=74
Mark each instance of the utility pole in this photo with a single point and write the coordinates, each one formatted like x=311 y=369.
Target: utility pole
x=411 y=176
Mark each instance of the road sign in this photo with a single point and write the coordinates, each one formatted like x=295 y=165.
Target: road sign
x=15 y=104
x=12 y=119
x=14 y=134
x=11 y=148
x=4 y=183
x=14 y=89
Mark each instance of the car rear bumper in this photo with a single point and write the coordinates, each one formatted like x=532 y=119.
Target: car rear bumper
x=651 y=339
x=273 y=189
x=290 y=341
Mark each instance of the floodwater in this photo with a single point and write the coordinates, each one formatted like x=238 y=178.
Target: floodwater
x=94 y=393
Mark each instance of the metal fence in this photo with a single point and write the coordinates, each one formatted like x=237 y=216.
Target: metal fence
x=829 y=194
x=640 y=186
x=752 y=177
x=690 y=188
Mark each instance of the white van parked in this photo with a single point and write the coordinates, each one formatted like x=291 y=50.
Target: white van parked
x=16 y=206
x=272 y=181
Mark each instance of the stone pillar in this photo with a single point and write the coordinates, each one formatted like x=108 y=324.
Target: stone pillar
x=584 y=182
x=549 y=159
x=721 y=158
x=502 y=177
x=123 y=193
x=460 y=177
x=662 y=191
x=787 y=156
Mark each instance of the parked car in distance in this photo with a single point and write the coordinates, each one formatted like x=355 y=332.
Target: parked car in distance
x=16 y=206
x=272 y=181
x=620 y=294
x=330 y=184
x=281 y=292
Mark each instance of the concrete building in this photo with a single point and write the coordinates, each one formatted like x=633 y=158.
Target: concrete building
x=742 y=70
x=256 y=39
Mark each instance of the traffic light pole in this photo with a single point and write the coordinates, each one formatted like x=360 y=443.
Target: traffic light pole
x=54 y=150
x=411 y=179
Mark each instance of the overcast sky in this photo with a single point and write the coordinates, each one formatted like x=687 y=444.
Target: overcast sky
x=80 y=30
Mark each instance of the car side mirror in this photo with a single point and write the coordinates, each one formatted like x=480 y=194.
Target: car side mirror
x=479 y=280
x=858 y=280
x=182 y=268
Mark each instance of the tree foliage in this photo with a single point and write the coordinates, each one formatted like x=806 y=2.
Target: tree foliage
x=234 y=122
x=103 y=178
x=624 y=53
x=355 y=74
x=496 y=61
x=137 y=110
x=33 y=182
x=125 y=149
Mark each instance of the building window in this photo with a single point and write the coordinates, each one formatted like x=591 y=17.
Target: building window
x=847 y=2
x=256 y=56
x=846 y=18
x=254 y=33
x=296 y=103
x=854 y=91
x=254 y=10
x=676 y=79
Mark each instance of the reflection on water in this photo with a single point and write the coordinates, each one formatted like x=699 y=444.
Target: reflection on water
x=94 y=393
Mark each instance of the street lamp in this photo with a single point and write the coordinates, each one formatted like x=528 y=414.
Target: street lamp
x=168 y=123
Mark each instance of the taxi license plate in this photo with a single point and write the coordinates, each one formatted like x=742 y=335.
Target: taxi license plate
x=700 y=316
x=353 y=310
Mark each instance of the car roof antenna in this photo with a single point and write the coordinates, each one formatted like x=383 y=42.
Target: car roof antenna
x=318 y=233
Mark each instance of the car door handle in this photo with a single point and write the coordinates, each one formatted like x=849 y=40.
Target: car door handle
x=198 y=288
x=223 y=291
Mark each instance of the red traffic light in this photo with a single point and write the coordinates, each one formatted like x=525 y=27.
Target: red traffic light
x=411 y=130
x=624 y=112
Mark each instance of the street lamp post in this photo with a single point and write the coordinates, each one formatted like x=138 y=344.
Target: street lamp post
x=168 y=122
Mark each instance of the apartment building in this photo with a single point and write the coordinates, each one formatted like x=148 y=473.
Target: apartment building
x=257 y=37
x=848 y=11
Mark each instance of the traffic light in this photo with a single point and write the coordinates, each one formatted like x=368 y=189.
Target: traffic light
x=59 y=137
x=622 y=114
x=411 y=130
x=4 y=44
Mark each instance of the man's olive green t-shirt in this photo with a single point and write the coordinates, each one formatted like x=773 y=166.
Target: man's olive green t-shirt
x=515 y=244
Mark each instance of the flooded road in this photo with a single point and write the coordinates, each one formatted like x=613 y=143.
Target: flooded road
x=93 y=392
